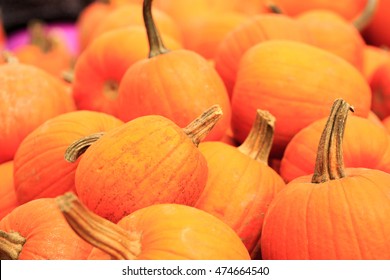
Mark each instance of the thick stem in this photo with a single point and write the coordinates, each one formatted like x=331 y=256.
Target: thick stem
x=156 y=44
x=366 y=16
x=329 y=162
x=78 y=147
x=101 y=233
x=258 y=143
x=273 y=8
x=198 y=129
x=11 y=245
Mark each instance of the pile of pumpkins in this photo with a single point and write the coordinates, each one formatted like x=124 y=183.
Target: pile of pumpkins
x=208 y=130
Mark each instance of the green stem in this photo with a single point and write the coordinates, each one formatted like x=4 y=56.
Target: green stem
x=329 y=163
x=78 y=147
x=156 y=44
x=366 y=16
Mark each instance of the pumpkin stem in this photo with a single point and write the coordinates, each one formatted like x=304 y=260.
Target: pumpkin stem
x=198 y=129
x=366 y=16
x=38 y=36
x=78 y=147
x=329 y=161
x=156 y=44
x=273 y=8
x=9 y=57
x=68 y=76
x=11 y=245
x=100 y=232
x=258 y=143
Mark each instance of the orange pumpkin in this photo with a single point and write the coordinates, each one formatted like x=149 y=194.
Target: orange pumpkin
x=87 y=20
x=333 y=33
x=131 y=15
x=46 y=50
x=157 y=232
x=240 y=183
x=372 y=150
x=380 y=86
x=178 y=85
x=377 y=33
x=147 y=160
x=373 y=57
x=8 y=200
x=349 y=9
x=255 y=30
x=40 y=168
x=386 y=123
x=37 y=230
x=336 y=213
x=100 y=68
x=280 y=77
x=204 y=33
x=28 y=97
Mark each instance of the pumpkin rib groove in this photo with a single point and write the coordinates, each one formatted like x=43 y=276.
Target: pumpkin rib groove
x=352 y=221
x=384 y=195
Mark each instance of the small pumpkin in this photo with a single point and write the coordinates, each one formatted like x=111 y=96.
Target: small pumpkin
x=177 y=84
x=156 y=232
x=377 y=33
x=279 y=76
x=130 y=14
x=240 y=183
x=37 y=230
x=8 y=200
x=380 y=87
x=335 y=213
x=28 y=97
x=372 y=150
x=373 y=57
x=145 y=161
x=100 y=68
x=255 y=30
x=40 y=168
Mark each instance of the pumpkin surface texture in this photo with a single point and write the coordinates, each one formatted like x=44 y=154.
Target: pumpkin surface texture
x=336 y=213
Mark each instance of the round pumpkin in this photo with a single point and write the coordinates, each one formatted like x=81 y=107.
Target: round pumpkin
x=296 y=83
x=240 y=183
x=37 y=230
x=336 y=213
x=40 y=167
x=372 y=150
x=147 y=160
x=156 y=232
x=28 y=97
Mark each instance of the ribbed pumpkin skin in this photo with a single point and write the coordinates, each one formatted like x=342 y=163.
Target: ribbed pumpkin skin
x=238 y=190
x=47 y=233
x=372 y=150
x=28 y=97
x=333 y=33
x=102 y=65
x=8 y=199
x=340 y=219
x=255 y=30
x=179 y=232
x=178 y=85
x=148 y=160
x=348 y=9
x=296 y=83
x=380 y=86
x=40 y=167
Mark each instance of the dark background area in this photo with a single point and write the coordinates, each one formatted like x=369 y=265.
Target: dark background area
x=16 y=13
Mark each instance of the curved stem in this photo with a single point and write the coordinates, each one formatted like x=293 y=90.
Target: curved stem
x=78 y=147
x=101 y=233
x=365 y=17
x=156 y=44
x=329 y=162
x=11 y=245
x=198 y=129
x=259 y=141
x=273 y=8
